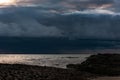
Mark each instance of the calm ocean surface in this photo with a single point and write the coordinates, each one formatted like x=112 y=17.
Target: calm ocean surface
x=53 y=60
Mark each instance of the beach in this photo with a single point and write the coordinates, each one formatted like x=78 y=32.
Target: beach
x=30 y=72
x=107 y=78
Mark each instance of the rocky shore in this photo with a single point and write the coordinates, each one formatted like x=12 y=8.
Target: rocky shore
x=100 y=64
x=29 y=72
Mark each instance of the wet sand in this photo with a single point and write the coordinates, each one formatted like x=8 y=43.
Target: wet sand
x=107 y=78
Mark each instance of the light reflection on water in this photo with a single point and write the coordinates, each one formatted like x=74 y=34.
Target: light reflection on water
x=43 y=60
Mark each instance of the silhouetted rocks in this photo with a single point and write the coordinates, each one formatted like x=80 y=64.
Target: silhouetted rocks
x=101 y=64
x=29 y=72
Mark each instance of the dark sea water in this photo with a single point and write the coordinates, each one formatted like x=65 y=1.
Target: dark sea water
x=55 y=45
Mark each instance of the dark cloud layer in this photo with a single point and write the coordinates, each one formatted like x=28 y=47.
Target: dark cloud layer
x=61 y=18
x=58 y=25
x=40 y=22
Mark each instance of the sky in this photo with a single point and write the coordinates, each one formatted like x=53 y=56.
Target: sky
x=61 y=18
x=72 y=19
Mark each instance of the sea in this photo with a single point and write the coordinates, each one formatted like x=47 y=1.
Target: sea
x=51 y=60
x=54 y=52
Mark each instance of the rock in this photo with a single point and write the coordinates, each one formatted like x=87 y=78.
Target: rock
x=101 y=64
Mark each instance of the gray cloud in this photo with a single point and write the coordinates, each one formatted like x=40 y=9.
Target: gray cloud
x=23 y=22
x=28 y=29
x=59 y=18
x=37 y=22
x=70 y=5
x=64 y=5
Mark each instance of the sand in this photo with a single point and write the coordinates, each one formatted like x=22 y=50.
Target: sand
x=107 y=78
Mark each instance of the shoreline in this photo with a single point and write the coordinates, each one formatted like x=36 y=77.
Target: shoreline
x=32 y=72
x=95 y=67
x=107 y=78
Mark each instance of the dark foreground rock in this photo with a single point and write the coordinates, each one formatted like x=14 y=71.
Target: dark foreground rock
x=28 y=72
x=101 y=64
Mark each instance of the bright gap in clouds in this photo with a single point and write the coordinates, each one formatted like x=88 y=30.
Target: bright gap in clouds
x=93 y=11
x=7 y=2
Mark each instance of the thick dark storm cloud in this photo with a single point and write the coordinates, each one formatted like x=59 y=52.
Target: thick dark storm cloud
x=61 y=18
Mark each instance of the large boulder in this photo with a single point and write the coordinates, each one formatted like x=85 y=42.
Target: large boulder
x=101 y=64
